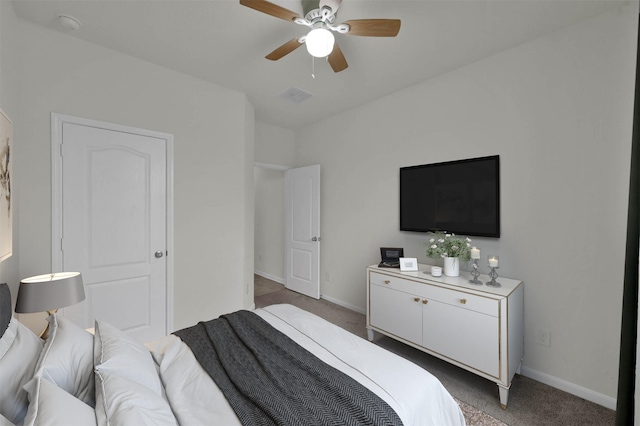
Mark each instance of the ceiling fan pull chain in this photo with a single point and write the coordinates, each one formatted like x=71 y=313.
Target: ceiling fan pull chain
x=313 y=67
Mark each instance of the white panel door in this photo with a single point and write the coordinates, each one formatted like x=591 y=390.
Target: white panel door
x=114 y=221
x=302 y=230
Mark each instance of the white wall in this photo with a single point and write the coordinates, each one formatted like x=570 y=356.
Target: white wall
x=274 y=145
x=213 y=175
x=558 y=111
x=249 y=203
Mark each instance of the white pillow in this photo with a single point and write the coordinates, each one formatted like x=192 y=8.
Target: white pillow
x=4 y=421
x=67 y=359
x=51 y=406
x=117 y=352
x=19 y=352
x=120 y=401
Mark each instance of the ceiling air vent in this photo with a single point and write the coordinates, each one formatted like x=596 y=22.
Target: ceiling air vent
x=295 y=95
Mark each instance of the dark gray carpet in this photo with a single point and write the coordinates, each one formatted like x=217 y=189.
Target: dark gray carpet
x=530 y=402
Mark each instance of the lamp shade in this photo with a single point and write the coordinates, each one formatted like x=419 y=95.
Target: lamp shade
x=320 y=42
x=50 y=291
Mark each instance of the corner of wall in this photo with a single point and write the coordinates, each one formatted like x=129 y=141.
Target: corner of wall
x=249 y=201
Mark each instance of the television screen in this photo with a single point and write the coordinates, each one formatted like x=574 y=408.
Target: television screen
x=460 y=197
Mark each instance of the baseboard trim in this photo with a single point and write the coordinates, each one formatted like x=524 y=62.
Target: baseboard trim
x=572 y=388
x=343 y=304
x=269 y=277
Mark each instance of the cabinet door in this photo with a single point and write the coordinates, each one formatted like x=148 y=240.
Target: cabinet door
x=396 y=312
x=469 y=337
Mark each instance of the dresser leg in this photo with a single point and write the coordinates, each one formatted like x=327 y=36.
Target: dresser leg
x=504 y=396
x=370 y=334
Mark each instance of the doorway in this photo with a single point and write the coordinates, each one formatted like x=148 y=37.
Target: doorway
x=269 y=222
x=270 y=231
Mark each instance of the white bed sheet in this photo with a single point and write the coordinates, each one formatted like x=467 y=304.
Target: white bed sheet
x=415 y=394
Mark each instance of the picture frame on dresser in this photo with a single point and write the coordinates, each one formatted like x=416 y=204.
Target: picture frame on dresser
x=408 y=264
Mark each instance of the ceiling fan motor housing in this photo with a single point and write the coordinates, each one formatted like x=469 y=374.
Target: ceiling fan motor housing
x=320 y=15
x=309 y=5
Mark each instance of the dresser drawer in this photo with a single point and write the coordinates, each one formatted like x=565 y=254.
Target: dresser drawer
x=396 y=283
x=462 y=299
x=472 y=302
x=381 y=279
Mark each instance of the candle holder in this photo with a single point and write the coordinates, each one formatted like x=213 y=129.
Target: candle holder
x=475 y=273
x=493 y=262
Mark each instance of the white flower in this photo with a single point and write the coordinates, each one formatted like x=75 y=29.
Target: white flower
x=441 y=240
x=434 y=246
x=432 y=241
x=468 y=239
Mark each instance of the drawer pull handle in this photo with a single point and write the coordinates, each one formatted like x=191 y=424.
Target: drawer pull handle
x=416 y=299
x=387 y=282
x=425 y=301
x=463 y=301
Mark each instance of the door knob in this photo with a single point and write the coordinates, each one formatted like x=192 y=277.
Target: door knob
x=159 y=254
x=315 y=239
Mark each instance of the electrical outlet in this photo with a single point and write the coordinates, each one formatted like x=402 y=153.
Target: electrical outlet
x=543 y=337
x=327 y=276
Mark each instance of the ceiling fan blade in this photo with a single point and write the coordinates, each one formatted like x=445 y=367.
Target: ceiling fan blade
x=285 y=49
x=270 y=9
x=336 y=59
x=374 y=27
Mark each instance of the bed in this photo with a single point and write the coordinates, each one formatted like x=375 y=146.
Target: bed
x=107 y=378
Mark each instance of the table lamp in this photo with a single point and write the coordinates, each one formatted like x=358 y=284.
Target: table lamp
x=49 y=292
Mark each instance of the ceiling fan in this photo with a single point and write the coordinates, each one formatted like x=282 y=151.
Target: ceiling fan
x=320 y=16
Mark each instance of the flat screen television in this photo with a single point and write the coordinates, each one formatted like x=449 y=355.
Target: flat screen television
x=460 y=197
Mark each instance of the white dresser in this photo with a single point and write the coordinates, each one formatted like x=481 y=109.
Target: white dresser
x=478 y=328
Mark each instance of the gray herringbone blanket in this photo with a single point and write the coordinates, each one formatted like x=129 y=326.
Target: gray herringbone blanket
x=270 y=380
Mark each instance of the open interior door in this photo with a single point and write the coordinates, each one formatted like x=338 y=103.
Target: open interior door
x=302 y=230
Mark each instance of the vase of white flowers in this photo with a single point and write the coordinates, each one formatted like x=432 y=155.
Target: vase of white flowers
x=451 y=248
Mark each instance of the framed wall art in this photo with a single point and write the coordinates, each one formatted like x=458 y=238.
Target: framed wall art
x=6 y=207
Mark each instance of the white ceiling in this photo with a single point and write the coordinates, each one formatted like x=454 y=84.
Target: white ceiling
x=225 y=43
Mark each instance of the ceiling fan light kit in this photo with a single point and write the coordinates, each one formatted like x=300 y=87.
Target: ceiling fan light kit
x=320 y=41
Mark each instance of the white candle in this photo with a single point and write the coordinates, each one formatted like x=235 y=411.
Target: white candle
x=475 y=253
x=493 y=262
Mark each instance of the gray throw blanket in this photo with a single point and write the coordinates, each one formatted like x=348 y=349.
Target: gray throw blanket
x=270 y=380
